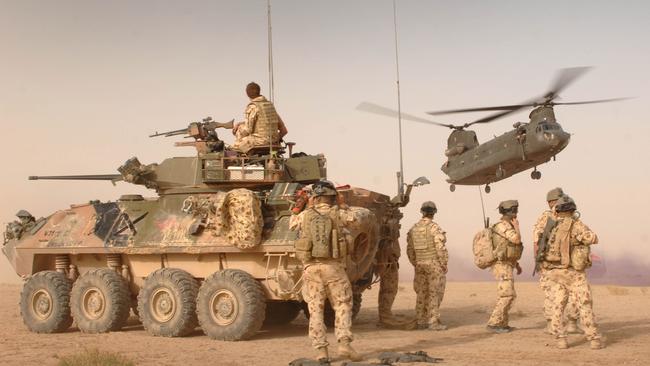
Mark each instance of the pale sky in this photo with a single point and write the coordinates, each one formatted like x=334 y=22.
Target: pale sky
x=83 y=83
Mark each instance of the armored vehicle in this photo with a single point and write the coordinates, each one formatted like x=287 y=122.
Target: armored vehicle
x=213 y=249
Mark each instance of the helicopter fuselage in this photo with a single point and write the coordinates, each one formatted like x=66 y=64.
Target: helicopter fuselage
x=525 y=147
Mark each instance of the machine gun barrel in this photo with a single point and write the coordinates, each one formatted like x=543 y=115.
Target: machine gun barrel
x=170 y=133
x=111 y=177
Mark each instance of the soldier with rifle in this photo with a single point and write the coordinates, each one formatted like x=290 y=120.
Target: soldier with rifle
x=541 y=235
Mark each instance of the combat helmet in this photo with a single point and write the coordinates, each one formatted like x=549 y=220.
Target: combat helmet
x=428 y=207
x=323 y=188
x=508 y=207
x=565 y=204
x=23 y=214
x=554 y=194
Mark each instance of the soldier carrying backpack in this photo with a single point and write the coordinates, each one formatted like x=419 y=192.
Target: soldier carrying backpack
x=500 y=248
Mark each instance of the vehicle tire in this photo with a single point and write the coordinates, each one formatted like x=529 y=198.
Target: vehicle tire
x=281 y=312
x=231 y=305
x=100 y=301
x=329 y=315
x=167 y=303
x=45 y=302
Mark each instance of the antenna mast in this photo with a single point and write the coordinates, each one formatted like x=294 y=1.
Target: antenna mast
x=270 y=45
x=400 y=174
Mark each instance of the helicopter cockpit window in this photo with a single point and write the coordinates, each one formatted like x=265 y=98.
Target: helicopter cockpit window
x=547 y=127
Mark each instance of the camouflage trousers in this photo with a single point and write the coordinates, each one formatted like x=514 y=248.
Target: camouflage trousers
x=388 y=285
x=505 y=294
x=563 y=283
x=571 y=310
x=429 y=285
x=324 y=281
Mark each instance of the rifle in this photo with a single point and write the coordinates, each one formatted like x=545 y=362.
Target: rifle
x=419 y=356
x=542 y=243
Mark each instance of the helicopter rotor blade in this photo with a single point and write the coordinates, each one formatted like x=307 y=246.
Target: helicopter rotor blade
x=593 y=101
x=511 y=107
x=492 y=117
x=377 y=109
x=564 y=78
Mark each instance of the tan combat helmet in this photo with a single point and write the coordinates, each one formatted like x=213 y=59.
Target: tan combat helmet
x=508 y=207
x=428 y=208
x=323 y=188
x=554 y=194
x=565 y=204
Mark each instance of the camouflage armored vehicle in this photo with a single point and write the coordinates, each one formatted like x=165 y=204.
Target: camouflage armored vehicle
x=213 y=249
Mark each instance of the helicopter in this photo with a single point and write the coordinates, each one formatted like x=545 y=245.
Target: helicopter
x=527 y=146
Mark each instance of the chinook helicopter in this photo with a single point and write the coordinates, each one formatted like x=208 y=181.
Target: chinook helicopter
x=527 y=146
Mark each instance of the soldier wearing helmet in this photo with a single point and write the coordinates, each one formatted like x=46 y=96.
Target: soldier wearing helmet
x=506 y=239
x=538 y=230
x=427 y=253
x=565 y=261
x=16 y=229
x=262 y=125
x=322 y=247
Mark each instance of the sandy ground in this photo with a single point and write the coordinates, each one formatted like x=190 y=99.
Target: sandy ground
x=623 y=313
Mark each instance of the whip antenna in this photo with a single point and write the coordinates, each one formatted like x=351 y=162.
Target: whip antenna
x=400 y=174
x=270 y=44
x=486 y=222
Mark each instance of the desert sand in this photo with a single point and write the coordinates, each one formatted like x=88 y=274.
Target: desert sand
x=623 y=314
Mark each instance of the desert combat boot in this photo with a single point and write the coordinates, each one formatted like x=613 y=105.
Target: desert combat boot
x=596 y=344
x=323 y=355
x=562 y=343
x=346 y=351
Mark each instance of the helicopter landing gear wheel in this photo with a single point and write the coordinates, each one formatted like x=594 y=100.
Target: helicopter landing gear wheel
x=452 y=188
x=500 y=173
x=487 y=188
x=536 y=174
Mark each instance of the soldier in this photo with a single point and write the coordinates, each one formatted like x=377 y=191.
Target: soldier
x=565 y=261
x=506 y=239
x=261 y=126
x=387 y=269
x=572 y=310
x=322 y=248
x=427 y=253
x=16 y=229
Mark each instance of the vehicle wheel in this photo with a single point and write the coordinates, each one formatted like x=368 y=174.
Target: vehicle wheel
x=231 y=305
x=167 y=303
x=281 y=312
x=452 y=188
x=100 y=301
x=45 y=302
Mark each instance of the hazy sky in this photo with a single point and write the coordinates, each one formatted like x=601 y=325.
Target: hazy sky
x=83 y=83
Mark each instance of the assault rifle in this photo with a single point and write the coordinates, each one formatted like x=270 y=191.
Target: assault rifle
x=542 y=243
x=419 y=356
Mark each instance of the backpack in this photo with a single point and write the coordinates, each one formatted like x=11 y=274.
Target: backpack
x=482 y=248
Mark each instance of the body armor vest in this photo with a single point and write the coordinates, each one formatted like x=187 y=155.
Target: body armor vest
x=504 y=250
x=266 y=126
x=558 y=253
x=320 y=237
x=423 y=242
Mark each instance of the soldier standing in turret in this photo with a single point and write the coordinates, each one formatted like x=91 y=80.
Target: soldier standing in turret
x=322 y=248
x=262 y=126
x=565 y=261
x=506 y=239
x=538 y=231
x=427 y=253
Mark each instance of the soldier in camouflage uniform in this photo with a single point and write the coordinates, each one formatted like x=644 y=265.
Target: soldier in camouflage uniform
x=387 y=268
x=261 y=126
x=427 y=252
x=16 y=229
x=565 y=261
x=571 y=310
x=506 y=239
x=322 y=248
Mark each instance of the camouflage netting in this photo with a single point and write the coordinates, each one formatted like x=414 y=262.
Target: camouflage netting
x=240 y=218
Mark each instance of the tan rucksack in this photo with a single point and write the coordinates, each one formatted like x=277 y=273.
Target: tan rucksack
x=483 y=249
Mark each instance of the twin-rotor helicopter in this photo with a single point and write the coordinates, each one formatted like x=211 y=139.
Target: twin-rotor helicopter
x=527 y=146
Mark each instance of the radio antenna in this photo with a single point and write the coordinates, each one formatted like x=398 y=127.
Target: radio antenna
x=270 y=45
x=400 y=174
